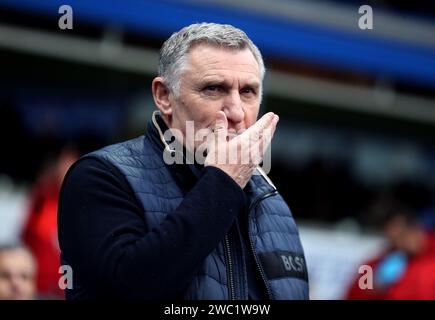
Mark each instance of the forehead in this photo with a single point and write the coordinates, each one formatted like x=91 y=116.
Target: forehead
x=206 y=60
x=15 y=258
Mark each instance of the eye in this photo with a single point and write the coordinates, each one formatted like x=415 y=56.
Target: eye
x=212 y=88
x=248 y=91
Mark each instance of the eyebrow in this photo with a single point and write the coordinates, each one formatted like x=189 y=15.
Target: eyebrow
x=224 y=82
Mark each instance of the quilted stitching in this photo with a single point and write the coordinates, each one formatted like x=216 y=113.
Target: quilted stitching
x=272 y=226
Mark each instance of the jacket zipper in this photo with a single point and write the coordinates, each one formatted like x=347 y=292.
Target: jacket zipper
x=251 y=207
x=230 y=268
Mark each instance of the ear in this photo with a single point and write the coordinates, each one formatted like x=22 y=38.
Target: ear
x=161 y=95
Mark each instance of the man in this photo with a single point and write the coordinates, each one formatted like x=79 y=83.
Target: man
x=17 y=273
x=135 y=224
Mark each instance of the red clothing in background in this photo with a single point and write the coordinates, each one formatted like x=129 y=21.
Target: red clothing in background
x=40 y=235
x=416 y=283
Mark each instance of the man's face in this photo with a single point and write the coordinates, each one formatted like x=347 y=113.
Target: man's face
x=217 y=79
x=17 y=275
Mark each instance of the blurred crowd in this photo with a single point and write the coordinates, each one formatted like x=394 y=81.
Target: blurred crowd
x=29 y=267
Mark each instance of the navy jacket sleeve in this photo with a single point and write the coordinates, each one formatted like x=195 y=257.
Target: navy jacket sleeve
x=104 y=236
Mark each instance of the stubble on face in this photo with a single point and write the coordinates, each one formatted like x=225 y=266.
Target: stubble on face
x=218 y=79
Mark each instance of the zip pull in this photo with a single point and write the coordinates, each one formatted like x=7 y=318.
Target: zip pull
x=261 y=198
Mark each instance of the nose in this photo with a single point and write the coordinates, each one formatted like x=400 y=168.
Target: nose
x=233 y=109
x=16 y=285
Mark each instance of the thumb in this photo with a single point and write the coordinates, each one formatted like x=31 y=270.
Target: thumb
x=221 y=125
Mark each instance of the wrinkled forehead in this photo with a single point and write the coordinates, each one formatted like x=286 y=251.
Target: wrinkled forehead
x=204 y=58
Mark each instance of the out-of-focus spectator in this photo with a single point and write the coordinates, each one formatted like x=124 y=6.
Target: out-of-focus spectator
x=405 y=269
x=17 y=273
x=40 y=231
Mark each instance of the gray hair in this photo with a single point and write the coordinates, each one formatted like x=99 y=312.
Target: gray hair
x=173 y=54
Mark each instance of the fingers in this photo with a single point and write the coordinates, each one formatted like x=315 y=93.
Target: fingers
x=267 y=136
x=221 y=126
x=261 y=136
x=247 y=148
x=263 y=123
x=255 y=132
x=266 y=120
x=221 y=123
x=271 y=129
